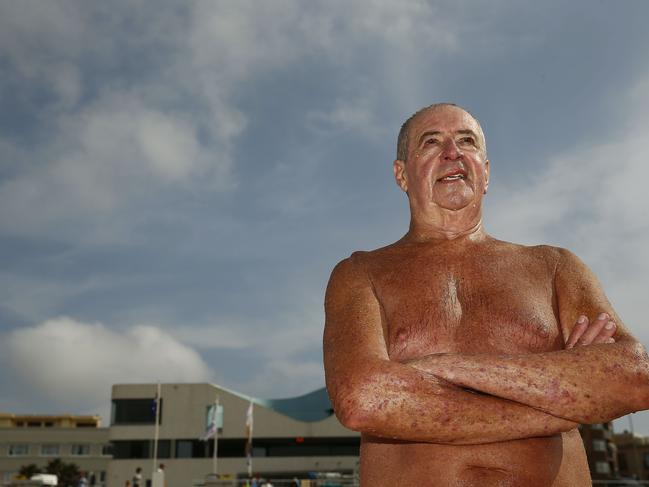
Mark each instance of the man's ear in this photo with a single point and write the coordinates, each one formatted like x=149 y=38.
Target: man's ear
x=400 y=176
x=486 y=175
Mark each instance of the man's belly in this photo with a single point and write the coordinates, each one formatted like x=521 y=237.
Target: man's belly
x=557 y=461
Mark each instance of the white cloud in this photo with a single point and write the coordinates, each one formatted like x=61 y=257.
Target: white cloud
x=113 y=143
x=74 y=364
x=108 y=157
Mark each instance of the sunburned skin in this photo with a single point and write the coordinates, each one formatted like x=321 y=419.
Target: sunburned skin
x=435 y=300
x=464 y=360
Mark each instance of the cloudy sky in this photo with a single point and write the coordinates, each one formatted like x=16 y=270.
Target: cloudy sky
x=177 y=179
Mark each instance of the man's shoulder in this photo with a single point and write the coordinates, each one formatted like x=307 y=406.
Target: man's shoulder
x=546 y=252
x=360 y=263
x=360 y=257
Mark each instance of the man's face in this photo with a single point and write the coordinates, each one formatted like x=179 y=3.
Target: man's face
x=446 y=166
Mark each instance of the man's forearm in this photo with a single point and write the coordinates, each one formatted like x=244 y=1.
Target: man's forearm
x=398 y=402
x=589 y=384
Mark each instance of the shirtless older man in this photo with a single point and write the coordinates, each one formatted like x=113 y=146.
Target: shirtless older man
x=464 y=360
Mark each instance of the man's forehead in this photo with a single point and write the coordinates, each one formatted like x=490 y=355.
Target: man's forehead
x=441 y=118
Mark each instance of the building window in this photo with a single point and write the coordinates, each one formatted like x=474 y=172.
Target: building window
x=191 y=449
x=107 y=450
x=34 y=424
x=80 y=449
x=602 y=467
x=131 y=449
x=50 y=450
x=288 y=447
x=125 y=449
x=18 y=450
x=164 y=448
x=599 y=445
x=646 y=460
x=135 y=411
x=621 y=461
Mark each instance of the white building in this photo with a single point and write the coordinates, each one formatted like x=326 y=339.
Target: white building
x=291 y=436
x=38 y=439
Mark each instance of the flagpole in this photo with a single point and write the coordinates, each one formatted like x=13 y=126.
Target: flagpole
x=249 y=426
x=216 y=438
x=156 y=431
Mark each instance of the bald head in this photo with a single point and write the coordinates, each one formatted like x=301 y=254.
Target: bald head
x=404 y=133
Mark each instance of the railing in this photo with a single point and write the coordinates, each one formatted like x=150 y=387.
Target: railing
x=344 y=481
x=620 y=483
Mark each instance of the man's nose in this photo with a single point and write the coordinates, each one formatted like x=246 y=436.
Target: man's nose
x=451 y=150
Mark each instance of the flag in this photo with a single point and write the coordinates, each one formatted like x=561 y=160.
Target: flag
x=155 y=404
x=213 y=421
x=249 y=423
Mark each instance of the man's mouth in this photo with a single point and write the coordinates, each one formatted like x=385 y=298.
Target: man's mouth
x=454 y=176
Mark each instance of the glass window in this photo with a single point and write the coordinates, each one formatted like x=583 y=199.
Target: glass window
x=621 y=460
x=131 y=449
x=80 y=449
x=599 y=445
x=18 y=450
x=646 y=459
x=164 y=448
x=192 y=449
x=602 y=467
x=134 y=411
x=287 y=447
x=50 y=450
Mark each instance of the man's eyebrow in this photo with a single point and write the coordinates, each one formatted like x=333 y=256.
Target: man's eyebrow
x=427 y=134
x=437 y=132
x=468 y=132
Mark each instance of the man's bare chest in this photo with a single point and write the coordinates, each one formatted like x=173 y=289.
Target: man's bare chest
x=433 y=305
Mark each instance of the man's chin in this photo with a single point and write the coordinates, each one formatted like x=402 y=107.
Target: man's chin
x=456 y=203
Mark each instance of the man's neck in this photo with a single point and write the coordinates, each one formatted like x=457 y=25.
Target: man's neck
x=444 y=231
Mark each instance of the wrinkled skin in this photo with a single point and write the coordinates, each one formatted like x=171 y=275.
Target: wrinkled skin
x=464 y=360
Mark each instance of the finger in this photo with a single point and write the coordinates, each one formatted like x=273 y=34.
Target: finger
x=580 y=327
x=593 y=330
x=606 y=333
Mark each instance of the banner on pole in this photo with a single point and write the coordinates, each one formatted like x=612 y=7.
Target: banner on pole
x=213 y=421
x=249 y=425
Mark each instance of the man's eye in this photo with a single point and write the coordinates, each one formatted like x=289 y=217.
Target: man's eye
x=467 y=140
x=430 y=141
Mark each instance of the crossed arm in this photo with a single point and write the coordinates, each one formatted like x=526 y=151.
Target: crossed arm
x=471 y=399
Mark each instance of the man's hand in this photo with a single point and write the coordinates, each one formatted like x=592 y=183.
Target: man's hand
x=601 y=330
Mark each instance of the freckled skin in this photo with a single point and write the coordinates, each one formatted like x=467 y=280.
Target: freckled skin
x=455 y=354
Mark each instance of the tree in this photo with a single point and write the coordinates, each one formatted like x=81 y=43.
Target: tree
x=28 y=470
x=67 y=473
